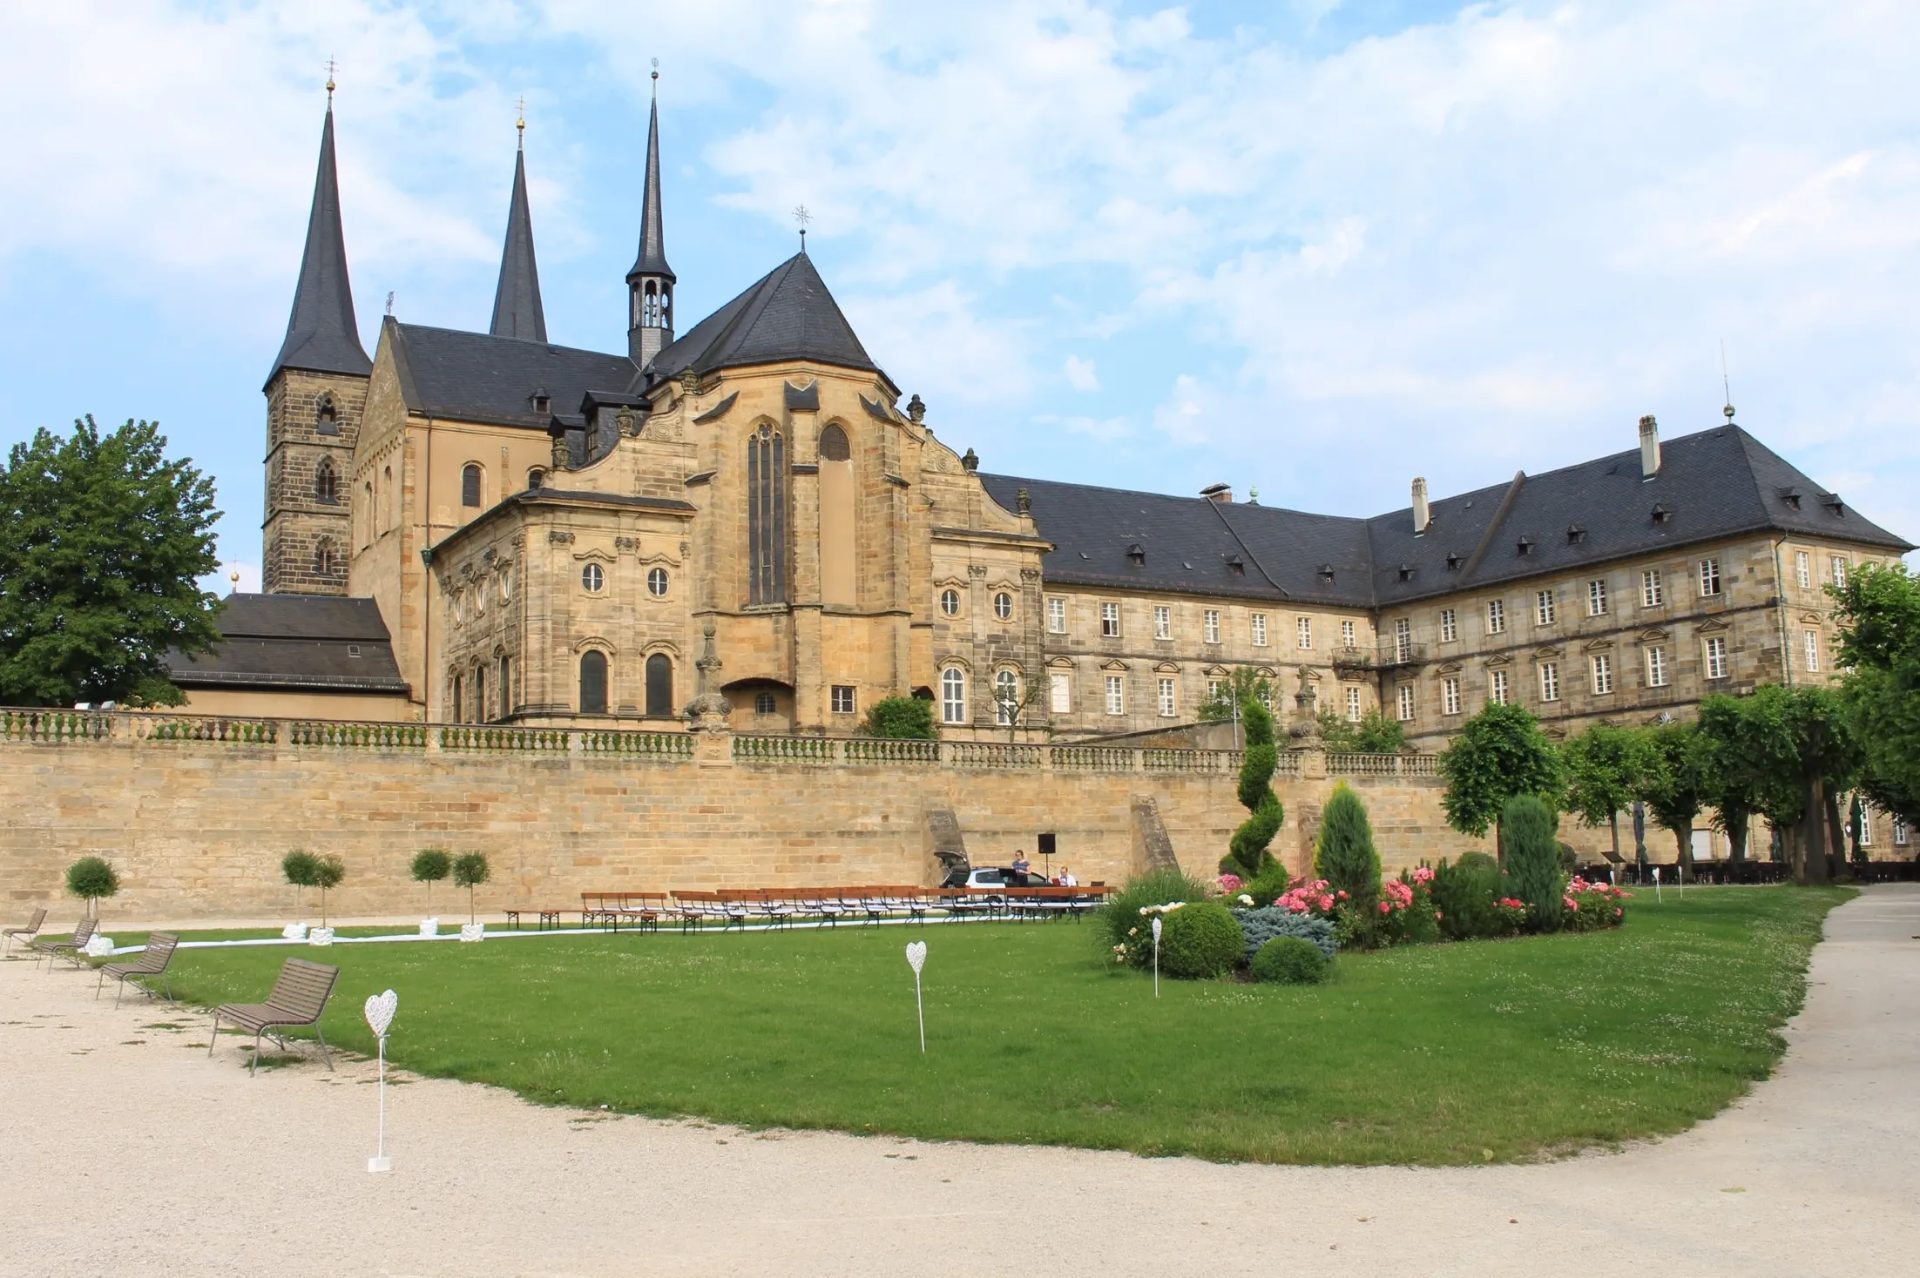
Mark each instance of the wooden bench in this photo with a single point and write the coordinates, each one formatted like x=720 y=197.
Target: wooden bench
x=548 y=917
x=159 y=953
x=298 y=998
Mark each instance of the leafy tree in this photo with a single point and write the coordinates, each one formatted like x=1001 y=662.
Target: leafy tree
x=1345 y=856
x=102 y=540
x=429 y=867
x=1528 y=828
x=1242 y=684
x=1673 y=782
x=1499 y=753
x=1605 y=768
x=1374 y=734
x=1879 y=612
x=1248 y=856
x=302 y=870
x=469 y=872
x=901 y=718
x=1783 y=751
x=327 y=873
x=91 y=878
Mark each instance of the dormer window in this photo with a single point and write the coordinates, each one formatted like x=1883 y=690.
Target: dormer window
x=1326 y=574
x=1832 y=502
x=1237 y=566
x=1138 y=554
x=1406 y=572
x=1791 y=496
x=1575 y=534
x=541 y=401
x=1453 y=561
x=1526 y=546
x=1661 y=514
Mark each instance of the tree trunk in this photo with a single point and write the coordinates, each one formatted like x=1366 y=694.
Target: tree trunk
x=1682 y=840
x=1810 y=866
x=1836 y=837
x=1616 y=838
x=1736 y=823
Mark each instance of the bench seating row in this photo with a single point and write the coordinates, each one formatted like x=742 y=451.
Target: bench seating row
x=870 y=903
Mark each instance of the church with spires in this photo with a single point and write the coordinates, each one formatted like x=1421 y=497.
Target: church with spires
x=741 y=518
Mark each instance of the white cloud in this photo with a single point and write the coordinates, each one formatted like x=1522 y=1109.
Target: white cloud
x=1104 y=429
x=932 y=342
x=1080 y=374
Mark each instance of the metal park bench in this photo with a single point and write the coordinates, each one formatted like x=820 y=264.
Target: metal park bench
x=31 y=930
x=72 y=950
x=298 y=998
x=154 y=962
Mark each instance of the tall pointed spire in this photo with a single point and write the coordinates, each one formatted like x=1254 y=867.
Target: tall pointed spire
x=650 y=282
x=516 y=301
x=321 y=334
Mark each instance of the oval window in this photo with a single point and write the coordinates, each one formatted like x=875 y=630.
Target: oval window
x=657 y=582
x=950 y=602
x=592 y=579
x=1003 y=606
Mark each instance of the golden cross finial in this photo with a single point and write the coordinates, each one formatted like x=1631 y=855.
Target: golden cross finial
x=521 y=124
x=330 y=69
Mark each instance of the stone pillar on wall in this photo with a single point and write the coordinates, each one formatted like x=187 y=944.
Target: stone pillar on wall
x=709 y=714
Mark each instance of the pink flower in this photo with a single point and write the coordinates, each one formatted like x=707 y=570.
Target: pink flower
x=1423 y=875
x=1230 y=882
x=1437 y=915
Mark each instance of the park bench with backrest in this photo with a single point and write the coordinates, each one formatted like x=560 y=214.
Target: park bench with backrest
x=153 y=962
x=31 y=930
x=73 y=950
x=299 y=997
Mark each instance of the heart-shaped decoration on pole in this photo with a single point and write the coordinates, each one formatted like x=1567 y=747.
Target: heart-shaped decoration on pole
x=380 y=1010
x=1156 y=956
x=917 y=959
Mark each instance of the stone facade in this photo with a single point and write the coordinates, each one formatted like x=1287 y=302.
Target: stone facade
x=313 y=424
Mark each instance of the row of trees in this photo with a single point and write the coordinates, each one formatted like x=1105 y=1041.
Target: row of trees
x=1785 y=754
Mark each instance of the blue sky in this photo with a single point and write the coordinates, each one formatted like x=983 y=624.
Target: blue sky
x=1313 y=248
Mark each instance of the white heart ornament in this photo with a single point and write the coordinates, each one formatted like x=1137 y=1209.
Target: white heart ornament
x=917 y=956
x=380 y=1010
x=1156 y=929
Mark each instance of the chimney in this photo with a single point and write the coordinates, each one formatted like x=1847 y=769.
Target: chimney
x=1421 y=515
x=1222 y=493
x=1649 y=448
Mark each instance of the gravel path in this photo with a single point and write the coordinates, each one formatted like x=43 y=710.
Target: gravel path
x=1815 y=1173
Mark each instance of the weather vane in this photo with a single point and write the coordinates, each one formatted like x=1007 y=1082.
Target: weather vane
x=803 y=217
x=330 y=69
x=656 y=77
x=520 y=123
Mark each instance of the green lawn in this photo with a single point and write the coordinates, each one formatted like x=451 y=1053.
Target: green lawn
x=1438 y=1054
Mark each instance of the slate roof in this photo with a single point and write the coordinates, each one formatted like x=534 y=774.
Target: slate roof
x=787 y=315
x=321 y=334
x=516 y=298
x=313 y=643
x=477 y=377
x=1712 y=485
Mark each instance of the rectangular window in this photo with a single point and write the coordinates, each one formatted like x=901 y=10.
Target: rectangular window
x=1496 y=617
x=1169 y=704
x=1656 y=667
x=1402 y=639
x=1116 y=695
x=1109 y=621
x=1212 y=625
x=1602 y=674
x=1216 y=689
x=1709 y=578
x=1450 y=695
x=1346 y=634
x=1259 y=629
x=1839 y=566
x=1716 y=657
x=1449 y=627
x=1900 y=831
x=1057 y=616
x=1866 y=826
x=1597 y=597
x=1353 y=705
x=1652 y=594
x=1497 y=687
x=1549 y=681
x=1060 y=692
x=843 y=700
x=1813 y=651
x=1305 y=636
x=1406 y=702
x=953 y=695
x=1543 y=608
x=1803 y=569
x=1162 y=622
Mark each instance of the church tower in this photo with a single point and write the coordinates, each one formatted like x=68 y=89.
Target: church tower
x=650 y=282
x=516 y=300
x=315 y=395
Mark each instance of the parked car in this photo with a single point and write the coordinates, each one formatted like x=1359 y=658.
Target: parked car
x=992 y=876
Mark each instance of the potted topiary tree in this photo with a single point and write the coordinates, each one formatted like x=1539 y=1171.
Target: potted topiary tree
x=327 y=873
x=299 y=869
x=91 y=878
x=469 y=872
x=429 y=867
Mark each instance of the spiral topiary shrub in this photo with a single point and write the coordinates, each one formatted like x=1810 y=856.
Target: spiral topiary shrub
x=1260 y=926
x=1291 y=960
x=1528 y=828
x=1199 y=940
x=1247 y=854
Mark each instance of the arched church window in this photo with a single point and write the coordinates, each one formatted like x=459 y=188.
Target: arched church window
x=536 y=477
x=323 y=558
x=470 y=484
x=479 y=694
x=1006 y=697
x=659 y=684
x=326 y=484
x=833 y=445
x=766 y=516
x=593 y=682
x=326 y=419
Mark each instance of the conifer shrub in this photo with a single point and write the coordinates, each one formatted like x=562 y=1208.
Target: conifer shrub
x=1345 y=857
x=1260 y=926
x=1291 y=960
x=1528 y=827
x=1466 y=895
x=1200 y=940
